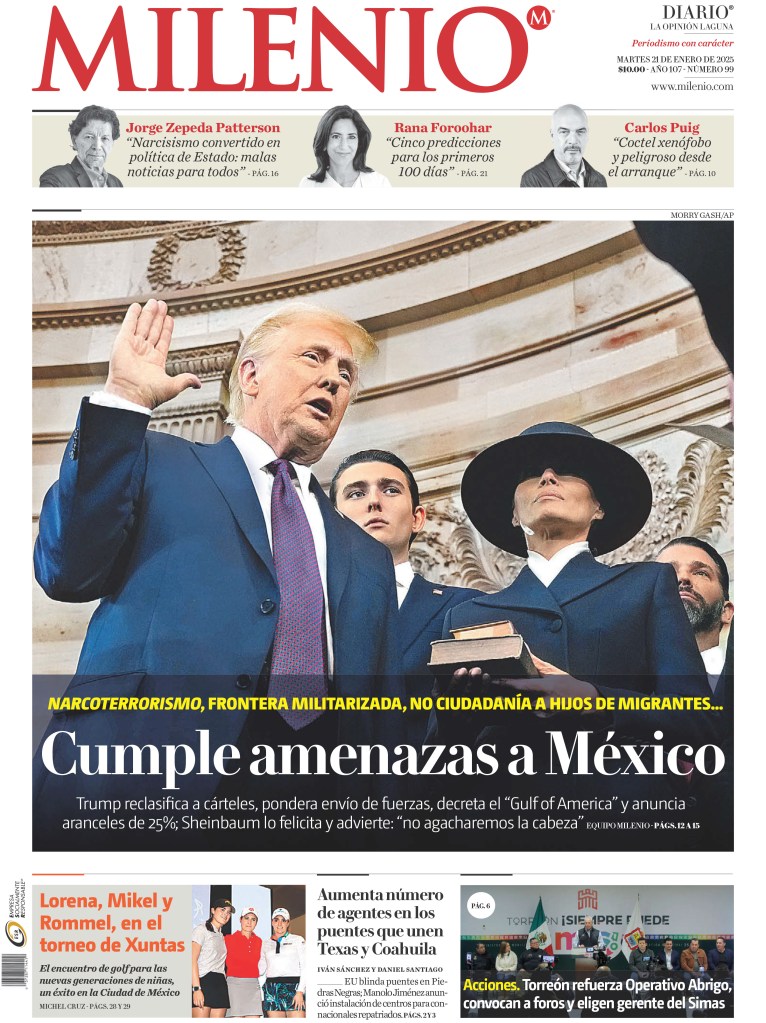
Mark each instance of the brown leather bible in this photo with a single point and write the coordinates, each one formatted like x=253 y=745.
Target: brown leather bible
x=496 y=648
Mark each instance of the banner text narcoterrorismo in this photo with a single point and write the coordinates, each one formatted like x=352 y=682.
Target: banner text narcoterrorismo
x=514 y=702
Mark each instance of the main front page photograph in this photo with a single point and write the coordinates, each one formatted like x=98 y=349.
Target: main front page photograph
x=379 y=532
x=509 y=329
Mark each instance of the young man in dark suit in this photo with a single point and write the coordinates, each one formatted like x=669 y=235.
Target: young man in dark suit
x=379 y=492
x=668 y=957
x=703 y=584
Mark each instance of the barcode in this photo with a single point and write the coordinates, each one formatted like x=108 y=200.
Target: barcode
x=14 y=971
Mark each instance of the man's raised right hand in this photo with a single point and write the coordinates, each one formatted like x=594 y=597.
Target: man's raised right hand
x=139 y=354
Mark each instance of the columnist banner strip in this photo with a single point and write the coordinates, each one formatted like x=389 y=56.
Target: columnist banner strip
x=405 y=150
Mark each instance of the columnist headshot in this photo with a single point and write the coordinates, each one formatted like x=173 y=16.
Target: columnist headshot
x=341 y=142
x=92 y=134
x=565 y=166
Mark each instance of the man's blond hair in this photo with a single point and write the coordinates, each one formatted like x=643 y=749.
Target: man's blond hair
x=267 y=335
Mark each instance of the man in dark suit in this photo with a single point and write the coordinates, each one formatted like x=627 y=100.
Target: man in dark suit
x=588 y=935
x=379 y=492
x=565 y=166
x=93 y=133
x=668 y=957
x=532 y=958
x=703 y=584
x=223 y=571
x=720 y=956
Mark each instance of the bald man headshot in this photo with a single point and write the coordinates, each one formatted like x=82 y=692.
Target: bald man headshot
x=565 y=166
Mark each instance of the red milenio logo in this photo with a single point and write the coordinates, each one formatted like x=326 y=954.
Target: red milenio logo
x=538 y=17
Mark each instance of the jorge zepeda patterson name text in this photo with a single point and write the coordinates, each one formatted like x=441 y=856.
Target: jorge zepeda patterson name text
x=581 y=754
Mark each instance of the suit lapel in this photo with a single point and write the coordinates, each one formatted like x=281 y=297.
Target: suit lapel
x=525 y=593
x=581 y=575
x=80 y=173
x=227 y=468
x=338 y=551
x=421 y=605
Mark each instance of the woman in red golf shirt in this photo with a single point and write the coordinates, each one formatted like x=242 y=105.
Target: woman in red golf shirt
x=244 y=965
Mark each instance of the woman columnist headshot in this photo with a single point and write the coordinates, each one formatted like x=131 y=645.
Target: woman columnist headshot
x=341 y=142
x=92 y=134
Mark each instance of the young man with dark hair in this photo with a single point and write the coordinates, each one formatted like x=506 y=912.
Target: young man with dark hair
x=378 y=491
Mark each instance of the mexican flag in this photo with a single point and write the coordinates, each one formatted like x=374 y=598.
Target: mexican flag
x=541 y=930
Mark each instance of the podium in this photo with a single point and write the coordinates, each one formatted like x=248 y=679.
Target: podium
x=585 y=960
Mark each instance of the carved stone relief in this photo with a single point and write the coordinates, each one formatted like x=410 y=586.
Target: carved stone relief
x=201 y=422
x=190 y=416
x=195 y=257
x=209 y=362
x=696 y=503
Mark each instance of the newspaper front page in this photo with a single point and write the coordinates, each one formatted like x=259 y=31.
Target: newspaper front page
x=249 y=793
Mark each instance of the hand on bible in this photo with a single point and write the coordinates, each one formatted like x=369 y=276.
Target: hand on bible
x=553 y=682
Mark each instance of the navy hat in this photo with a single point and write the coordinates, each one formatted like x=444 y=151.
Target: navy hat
x=618 y=481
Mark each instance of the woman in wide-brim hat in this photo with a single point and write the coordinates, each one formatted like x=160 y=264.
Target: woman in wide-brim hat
x=619 y=486
x=556 y=495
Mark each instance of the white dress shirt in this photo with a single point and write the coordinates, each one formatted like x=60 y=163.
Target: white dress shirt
x=404 y=575
x=546 y=569
x=112 y=401
x=714 y=659
x=256 y=455
x=365 y=179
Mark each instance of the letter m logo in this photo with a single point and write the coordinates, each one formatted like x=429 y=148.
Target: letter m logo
x=538 y=17
x=59 y=34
